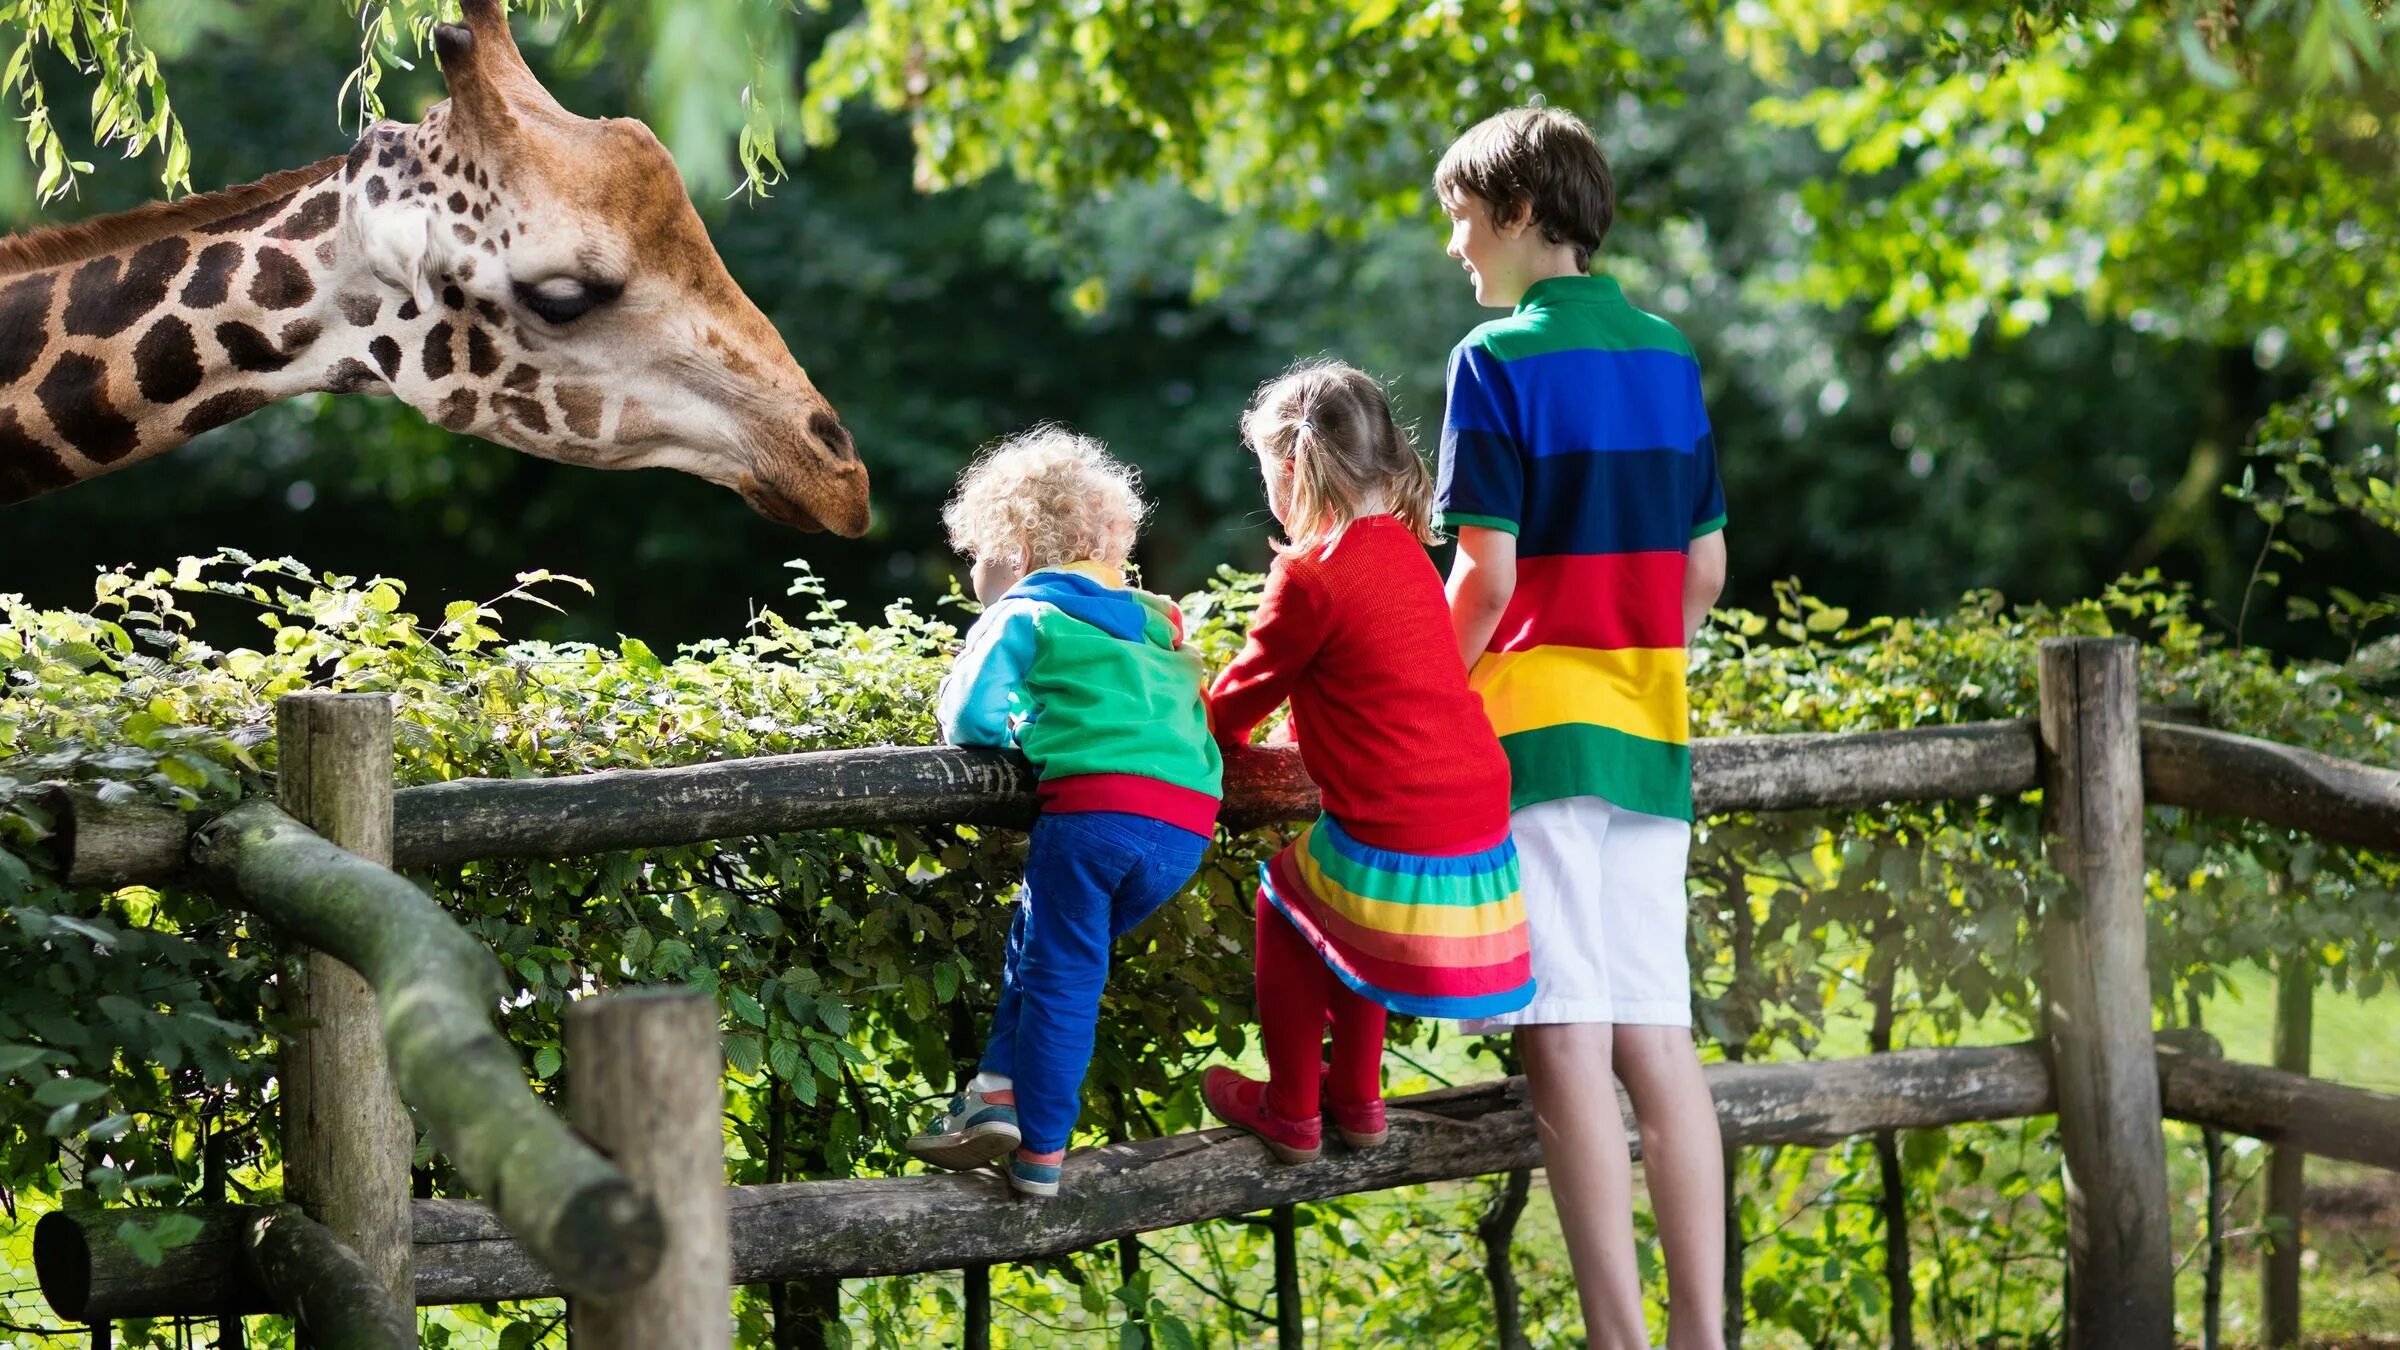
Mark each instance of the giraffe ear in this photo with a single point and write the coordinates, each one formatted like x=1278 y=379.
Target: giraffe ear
x=399 y=247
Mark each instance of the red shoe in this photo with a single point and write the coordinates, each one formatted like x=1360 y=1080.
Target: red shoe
x=1242 y=1103
x=1361 y=1125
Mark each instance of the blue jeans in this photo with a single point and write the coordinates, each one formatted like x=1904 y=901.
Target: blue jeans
x=1089 y=876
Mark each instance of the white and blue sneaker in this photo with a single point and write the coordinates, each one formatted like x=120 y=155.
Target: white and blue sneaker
x=974 y=1131
x=1038 y=1179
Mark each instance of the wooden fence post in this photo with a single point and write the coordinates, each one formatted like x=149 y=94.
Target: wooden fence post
x=347 y=1140
x=645 y=1074
x=2287 y=1184
x=2096 y=1000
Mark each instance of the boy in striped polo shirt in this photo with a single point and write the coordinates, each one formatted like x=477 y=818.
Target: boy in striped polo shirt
x=1579 y=475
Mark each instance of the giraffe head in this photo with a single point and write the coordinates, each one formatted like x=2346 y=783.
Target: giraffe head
x=552 y=289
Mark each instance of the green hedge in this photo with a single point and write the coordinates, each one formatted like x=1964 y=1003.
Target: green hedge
x=855 y=970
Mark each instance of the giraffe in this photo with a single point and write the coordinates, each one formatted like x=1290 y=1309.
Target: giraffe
x=507 y=268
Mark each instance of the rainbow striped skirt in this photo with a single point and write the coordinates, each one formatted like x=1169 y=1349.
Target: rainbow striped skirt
x=1425 y=935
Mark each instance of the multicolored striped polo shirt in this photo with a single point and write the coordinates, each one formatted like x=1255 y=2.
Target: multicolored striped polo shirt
x=1576 y=425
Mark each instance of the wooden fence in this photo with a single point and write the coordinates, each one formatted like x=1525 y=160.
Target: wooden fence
x=652 y=1239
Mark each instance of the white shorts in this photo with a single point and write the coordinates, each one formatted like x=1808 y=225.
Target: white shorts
x=1605 y=914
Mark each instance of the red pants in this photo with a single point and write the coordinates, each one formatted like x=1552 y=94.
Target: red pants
x=1297 y=993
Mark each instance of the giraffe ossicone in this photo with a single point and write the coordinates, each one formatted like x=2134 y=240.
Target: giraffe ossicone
x=506 y=267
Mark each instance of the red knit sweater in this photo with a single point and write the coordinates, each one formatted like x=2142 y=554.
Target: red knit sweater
x=1361 y=644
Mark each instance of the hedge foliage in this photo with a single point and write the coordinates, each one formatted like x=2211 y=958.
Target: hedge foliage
x=855 y=969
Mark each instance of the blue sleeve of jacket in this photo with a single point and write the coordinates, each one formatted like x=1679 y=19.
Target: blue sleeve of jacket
x=983 y=698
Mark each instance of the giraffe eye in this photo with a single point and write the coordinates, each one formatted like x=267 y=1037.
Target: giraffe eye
x=562 y=300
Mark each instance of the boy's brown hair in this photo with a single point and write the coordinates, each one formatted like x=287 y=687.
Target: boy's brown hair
x=1545 y=158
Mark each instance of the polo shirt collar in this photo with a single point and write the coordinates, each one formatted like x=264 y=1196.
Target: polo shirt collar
x=1553 y=291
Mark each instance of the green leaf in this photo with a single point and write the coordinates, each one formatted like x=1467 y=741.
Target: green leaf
x=744 y=1053
x=68 y=1092
x=547 y=1061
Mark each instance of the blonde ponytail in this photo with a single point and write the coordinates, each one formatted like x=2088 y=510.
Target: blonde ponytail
x=1333 y=425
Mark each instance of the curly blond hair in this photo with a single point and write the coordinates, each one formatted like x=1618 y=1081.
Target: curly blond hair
x=1046 y=496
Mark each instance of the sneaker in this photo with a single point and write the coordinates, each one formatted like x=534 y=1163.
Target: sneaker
x=1360 y=1126
x=1037 y=1179
x=1242 y=1103
x=973 y=1131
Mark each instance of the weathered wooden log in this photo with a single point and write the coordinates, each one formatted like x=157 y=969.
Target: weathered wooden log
x=2096 y=1000
x=437 y=986
x=334 y=1300
x=1864 y=768
x=347 y=1140
x=124 y=842
x=2330 y=1120
x=646 y=1081
x=904 y=1225
x=2338 y=800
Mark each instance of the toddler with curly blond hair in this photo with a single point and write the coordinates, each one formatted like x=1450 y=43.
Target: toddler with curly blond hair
x=1089 y=677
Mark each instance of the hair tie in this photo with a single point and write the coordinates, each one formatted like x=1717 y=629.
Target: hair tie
x=1307 y=426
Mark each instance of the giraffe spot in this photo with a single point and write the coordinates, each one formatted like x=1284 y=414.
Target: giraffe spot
x=454 y=298
x=218 y=409
x=102 y=303
x=166 y=362
x=581 y=404
x=830 y=432
x=458 y=203
x=298 y=334
x=385 y=157
x=361 y=310
x=358 y=156
x=249 y=348
x=482 y=356
x=212 y=277
x=352 y=376
x=75 y=395
x=315 y=217
x=489 y=247
x=476 y=211
x=325 y=254
x=491 y=313
x=458 y=409
x=377 y=191
x=482 y=179
x=386 y=353
x=465 y=271
x=438 y=361
x=24 y=332
x=525 y=412
x=504 y=239
x=450 y=170
x=408 y=310
x=523 y=378
x=280 y=283
x=250 y=219
x=462 y=234
x=28 y=468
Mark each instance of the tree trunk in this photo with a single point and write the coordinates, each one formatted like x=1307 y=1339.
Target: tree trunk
x=1898 y=1280
x=978 y=1282
x=1498 y=1231
x=645 y=1078
x=1291 y=1318
x=2287 y=1181
x=2096 y=1000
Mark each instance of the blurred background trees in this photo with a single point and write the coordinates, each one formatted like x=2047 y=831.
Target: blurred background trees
x=1989 y=296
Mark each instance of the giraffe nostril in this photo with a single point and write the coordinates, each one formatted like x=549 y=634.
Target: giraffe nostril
x=830 y=433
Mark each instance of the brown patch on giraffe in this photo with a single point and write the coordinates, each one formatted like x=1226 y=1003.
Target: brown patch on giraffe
x=352 y=376
x=525 y=412
x=212 y=213
x=102 y=302
x=581 y=404
x=325 y=254
x=24 y=326
x=523 y=378
x=453 y=298
x=28 y=468
x=462 y=234
x=458 y=203
x=465 y=271
x=315 y=217
x=408 y=310
x=732 y=357
x=489 y=247
x=252 y=218
x=491 y=313
x=249 y=348
x=438 y=361
x=280 y=283
x=476 y=211
x=356 y=158
x=218 y=409
x=636 y=423
x=361 y=310
x=386 y=353
x=483 y=356
x=298 y=334
x=458 y=409
x=212 y=277
x=376 y=191
x=166 y=362
x=75 y=395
